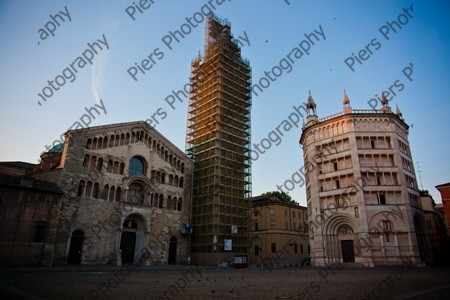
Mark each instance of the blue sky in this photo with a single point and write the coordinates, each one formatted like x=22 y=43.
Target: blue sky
x=274 y=28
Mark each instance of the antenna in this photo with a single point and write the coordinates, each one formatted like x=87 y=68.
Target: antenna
x=420 y=177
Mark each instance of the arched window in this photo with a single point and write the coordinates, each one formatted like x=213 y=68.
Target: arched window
x=86 y=161
x=81 y=188
x=105 y=192
x=88 y=191
x=118 y=192
x=136 y=167
x=161 y=201
x=181 y=182
x=169 y=202
x=99 y=164
x=112 y=190
x=155 y=200
x=93 y=162
x=95 y=190
x=180 y=201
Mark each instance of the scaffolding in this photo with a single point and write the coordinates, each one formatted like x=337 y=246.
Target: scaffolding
x=218 y=139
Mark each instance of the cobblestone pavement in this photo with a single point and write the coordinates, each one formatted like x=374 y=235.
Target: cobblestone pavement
x=213 y=283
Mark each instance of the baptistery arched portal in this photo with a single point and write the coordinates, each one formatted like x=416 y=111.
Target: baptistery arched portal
x=132 y=238
x=340 y=237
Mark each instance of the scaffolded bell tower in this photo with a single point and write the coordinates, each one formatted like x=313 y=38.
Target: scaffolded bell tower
x=218 y=139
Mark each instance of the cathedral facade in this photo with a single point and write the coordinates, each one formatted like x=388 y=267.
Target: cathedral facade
x=127 y=192
x=362 y=196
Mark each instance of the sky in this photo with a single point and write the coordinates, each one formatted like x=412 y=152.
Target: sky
x=46 y=49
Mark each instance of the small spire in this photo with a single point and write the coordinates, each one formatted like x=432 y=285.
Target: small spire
x=310 y=105
x=384 y=101
x=398 y=112
x=346 y=101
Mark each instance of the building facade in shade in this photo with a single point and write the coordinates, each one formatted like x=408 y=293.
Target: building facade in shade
x=279 y=231
x=127 y=193
x=218 y=139
x=362 y=197
x=29 y=215
x=444 y=189
x=435 y=229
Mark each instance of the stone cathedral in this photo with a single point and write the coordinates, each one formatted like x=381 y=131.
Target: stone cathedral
x=127 y=192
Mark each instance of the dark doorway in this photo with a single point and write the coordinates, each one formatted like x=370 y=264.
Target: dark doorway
x=348 y=254
x=419 y=226
x=256 y=250
x=76 y=247
x=172 y=251
x=128 y=246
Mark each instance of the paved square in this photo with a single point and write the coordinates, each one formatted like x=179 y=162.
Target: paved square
x=214 y=283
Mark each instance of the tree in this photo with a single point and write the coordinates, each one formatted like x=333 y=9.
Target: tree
x=285 y=197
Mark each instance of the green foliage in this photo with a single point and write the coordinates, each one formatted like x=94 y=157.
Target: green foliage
x=285 y=197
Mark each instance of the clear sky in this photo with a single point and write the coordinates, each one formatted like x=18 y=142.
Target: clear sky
x=36 y=49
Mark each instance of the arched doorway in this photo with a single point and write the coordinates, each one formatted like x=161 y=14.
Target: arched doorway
x=76 y=247
x=172 y=251
x=128 y=241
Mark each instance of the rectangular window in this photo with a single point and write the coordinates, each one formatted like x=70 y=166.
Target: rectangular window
x=335 y=166
x=39 y=233
x=309 y=249
x=338 y=185
x=256 y=226
x=272 y=224
x=306 y=227
x=378 y=180
x=372 y=143
x=382 y=198
x=294 y=226
x=272 y=211
x=273 y=247
x=295 y=248
x=293 y=214
x=301 y=248
x=286 y=225
x=285 y=213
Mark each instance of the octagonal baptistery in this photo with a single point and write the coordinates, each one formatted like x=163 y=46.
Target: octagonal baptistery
x=127 y=196
x=362 y=198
